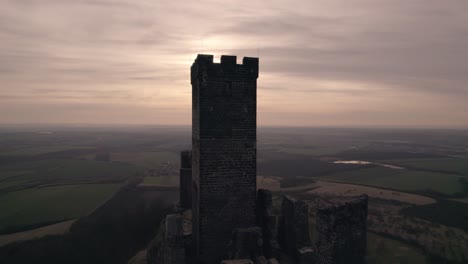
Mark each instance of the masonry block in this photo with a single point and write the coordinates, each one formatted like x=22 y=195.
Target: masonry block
x=342 y=232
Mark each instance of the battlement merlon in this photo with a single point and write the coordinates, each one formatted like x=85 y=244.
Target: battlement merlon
x=204 y=61
x=186 y=159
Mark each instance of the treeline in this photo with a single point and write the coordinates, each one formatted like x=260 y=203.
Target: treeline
x=444 y=212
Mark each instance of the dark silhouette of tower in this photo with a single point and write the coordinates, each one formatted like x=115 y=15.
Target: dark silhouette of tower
x=223 y=151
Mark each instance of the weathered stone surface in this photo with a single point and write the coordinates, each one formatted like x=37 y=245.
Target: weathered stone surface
x=174 y=228
x=268 y=222
x=185 y=183
x=223 y=151
x=261 y=260
x=186 y=159
x=187 y=222
x=306 y=255
x=168 y=246
x=273 y=261
x=246 y=243
x=264 y=202
x=237 y=261
x=342 y=231
x=294 y=225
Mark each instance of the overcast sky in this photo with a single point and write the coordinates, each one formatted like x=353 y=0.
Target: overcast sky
x=322 y=62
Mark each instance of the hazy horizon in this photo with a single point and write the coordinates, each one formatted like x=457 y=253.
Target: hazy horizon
x=38 y=126
x=360 y=63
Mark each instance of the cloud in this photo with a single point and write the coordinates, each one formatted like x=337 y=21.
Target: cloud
x=329 y=51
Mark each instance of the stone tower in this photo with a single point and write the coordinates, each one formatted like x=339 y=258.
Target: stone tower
x=224 y=122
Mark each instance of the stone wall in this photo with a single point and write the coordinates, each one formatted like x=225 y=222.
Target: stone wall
x=246 y=243
x=168 y=245
x=294 y=226
x=339 y=235
x=342 y=231
x=268 y=223
x=223 y=152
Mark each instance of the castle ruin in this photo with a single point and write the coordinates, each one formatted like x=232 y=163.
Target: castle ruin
x=222 y=216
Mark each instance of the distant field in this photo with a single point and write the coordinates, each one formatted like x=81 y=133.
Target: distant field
x=456 y=165
x=404 y=180
x=146 y=160
x=62 y=171
x=8 y=174
x=30 y=151
x=382 y=250
x=312 y=150
x=162 y=180
x=51 y=204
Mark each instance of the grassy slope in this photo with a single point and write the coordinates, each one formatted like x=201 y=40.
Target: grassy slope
x=445 y=212
x=384 y=250
x=55 y=229
x=112 y=234
x=51 y=204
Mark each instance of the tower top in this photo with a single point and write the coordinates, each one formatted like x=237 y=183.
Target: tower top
x=226 y=59
x=204 y=62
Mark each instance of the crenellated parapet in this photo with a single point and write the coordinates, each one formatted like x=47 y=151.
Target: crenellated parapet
x=204 y=64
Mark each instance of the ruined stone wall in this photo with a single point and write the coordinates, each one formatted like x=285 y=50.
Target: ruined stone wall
x=268 y=223
x=185 y=183
x=168 y=245
x=342 y=231
x=223 y=151
x=294 y=227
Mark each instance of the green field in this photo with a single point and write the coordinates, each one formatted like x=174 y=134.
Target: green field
x=152 y=180
x=9 y=174
x=51 y=204
x=382 y=250
x=456 y=165
x=146 y=160
x=312 y=150
x=31 y=151
x=62 y=171
x=404 y=180
x=162 y=180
